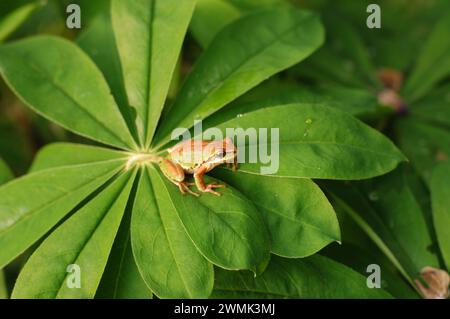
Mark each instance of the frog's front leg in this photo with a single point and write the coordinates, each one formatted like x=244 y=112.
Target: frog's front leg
x=175 y=174
x=200 y=182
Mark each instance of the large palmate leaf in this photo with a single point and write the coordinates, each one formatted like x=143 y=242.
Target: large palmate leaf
x=63 y=84
x=33 y=204
x=312 y=277
x=167 y=258
x=149 y=35
x=242 y=55
x=433 y=63
x=299 y=217
x=14 y=19
x=440 y=194
x=315 y=141
x=83 y=241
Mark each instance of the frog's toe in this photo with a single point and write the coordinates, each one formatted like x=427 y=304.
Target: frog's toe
x=185 y=189
x=210 y=189
x=216 y=186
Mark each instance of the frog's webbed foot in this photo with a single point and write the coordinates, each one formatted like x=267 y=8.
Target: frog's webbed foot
x=200 y=183
x=210 y=189
x=183 y=186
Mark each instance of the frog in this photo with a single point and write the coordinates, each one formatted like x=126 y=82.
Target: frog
x=197 y=157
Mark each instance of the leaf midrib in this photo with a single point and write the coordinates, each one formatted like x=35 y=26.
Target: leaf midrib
x=389 y=155
x=298 y=221
x=165 y=231
x=149 y=74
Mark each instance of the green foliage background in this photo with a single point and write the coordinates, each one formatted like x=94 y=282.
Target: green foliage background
x=358 y=183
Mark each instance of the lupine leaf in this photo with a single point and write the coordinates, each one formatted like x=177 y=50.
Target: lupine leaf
x=167 y=258
x=33 y=204
x=64 y=85
x=312 y=277
x=149 y=35
x=242 y=55
x=83 y=241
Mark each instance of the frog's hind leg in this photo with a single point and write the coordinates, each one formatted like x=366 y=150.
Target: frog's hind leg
x=183 y=186
x=175 y=174
x=200 y=183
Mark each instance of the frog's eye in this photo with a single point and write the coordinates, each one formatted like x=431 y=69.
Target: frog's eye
x=220 y=154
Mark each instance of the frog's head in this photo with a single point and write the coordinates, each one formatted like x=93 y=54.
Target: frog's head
x=222 y=151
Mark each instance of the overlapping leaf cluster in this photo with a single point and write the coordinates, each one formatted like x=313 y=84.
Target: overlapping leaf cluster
x=130 y=230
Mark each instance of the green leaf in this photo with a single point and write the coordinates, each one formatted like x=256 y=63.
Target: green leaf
x=69 y=154
x=149 y=36
x=15 y=146
x=300 y=219
x=33 y=204
x=242 y=55
x=311 y=277
x=121 y=279
x=99 y=43
x=64 y=85
x=256 y=4
x=366 y=218
x=357 y=102
x=433 y=62
x=83 y=241
x=168 y=260
x=326 y=67
x=228 y=230
x=3 y=288
x=360 y=257
x=424 y=144
x=440 y=195
x=388 y=212
x=209 y=17
x=13 y=20
x=315 y=141
x=5 y=173
x=434 y=108
x=348 y=42
x=394 y=201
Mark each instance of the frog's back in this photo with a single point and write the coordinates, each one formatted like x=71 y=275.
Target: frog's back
x=189 y=154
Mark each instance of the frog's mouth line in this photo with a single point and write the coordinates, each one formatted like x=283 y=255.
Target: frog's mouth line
x=141 y=159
